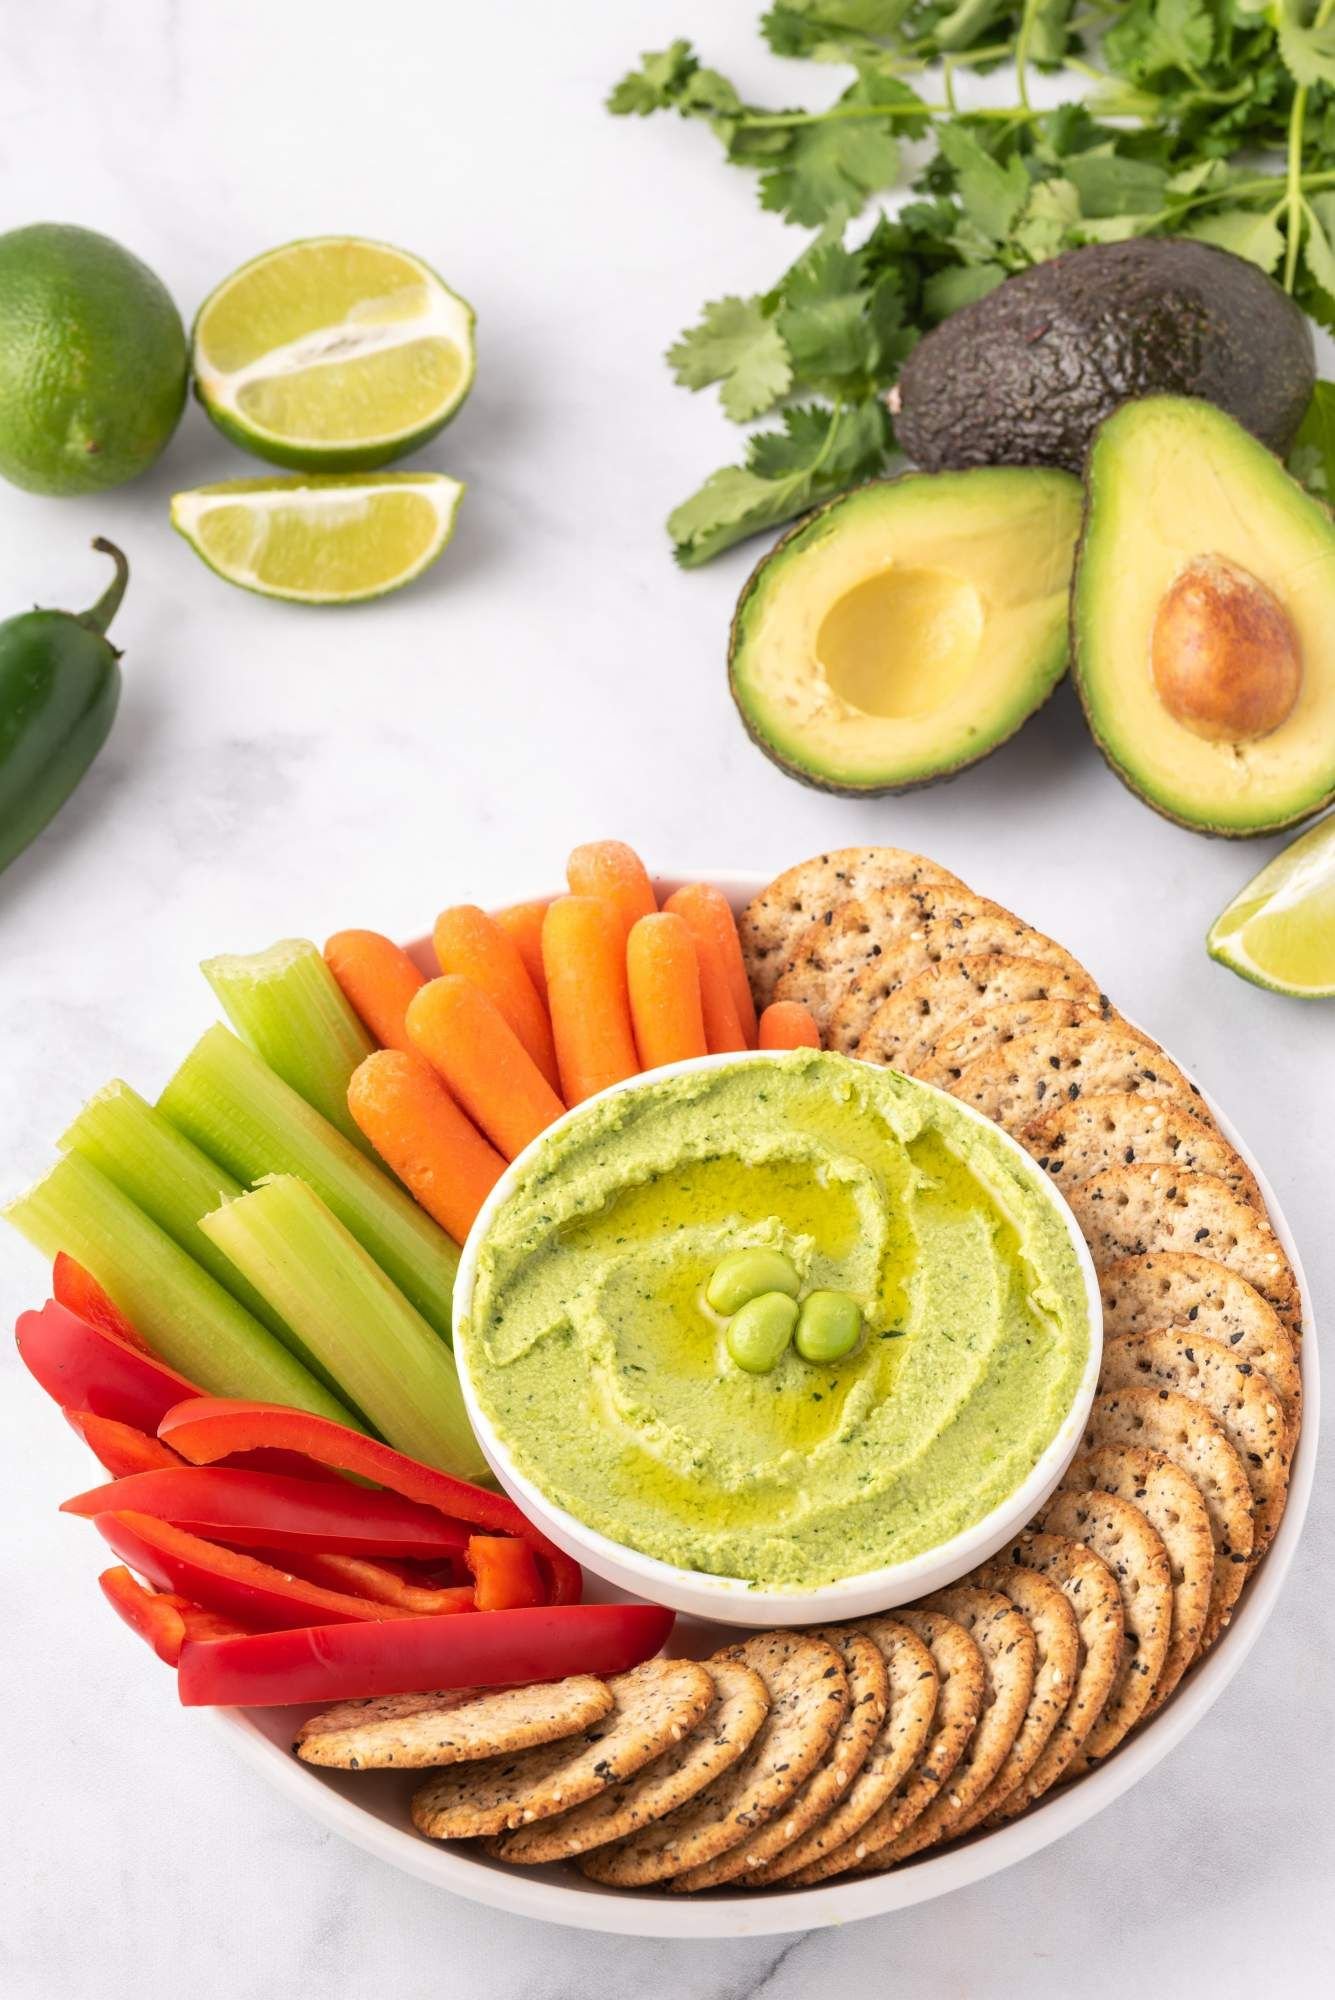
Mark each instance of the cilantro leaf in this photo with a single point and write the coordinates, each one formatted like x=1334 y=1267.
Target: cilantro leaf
x=656 y=85
x=828 y=168
x=1308 y=51
x=831 y=30
x=1245 y=232
x=1109 y=185
x=993 y=195
x=1158 y=35
x=818 y=453
x=1312 y=459
x=738 y=344
x=959 y=285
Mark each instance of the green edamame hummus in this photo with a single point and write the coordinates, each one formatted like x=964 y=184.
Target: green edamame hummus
x=606 y=1375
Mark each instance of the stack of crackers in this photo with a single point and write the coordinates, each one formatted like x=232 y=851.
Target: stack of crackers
x=792 y=1757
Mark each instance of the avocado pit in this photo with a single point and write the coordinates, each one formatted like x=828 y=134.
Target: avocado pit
x=1224 y=655
x=900 y=642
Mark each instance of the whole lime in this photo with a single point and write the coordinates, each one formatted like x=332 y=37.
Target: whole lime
x=93 y=361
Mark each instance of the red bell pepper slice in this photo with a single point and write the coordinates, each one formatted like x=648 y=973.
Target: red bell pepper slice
x=346 y=1662
x=120 y=1447
x=387 y=1585
x=211 y=1427
x=257 y=1595
x=161 y=1618
x=86 y=1368
x=268 y=1510
x=79 y=1290
x=505 y=1573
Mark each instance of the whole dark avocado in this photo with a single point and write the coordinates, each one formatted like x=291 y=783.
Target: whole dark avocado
x=1026 y=374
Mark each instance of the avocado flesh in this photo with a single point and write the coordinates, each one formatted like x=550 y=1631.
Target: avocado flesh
x=1024 y=375
x=909 y=627
x=1170 y=480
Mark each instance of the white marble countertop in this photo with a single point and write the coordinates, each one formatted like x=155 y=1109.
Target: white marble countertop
x=276 y=770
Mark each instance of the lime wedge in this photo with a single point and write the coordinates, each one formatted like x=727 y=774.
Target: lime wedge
x=333 y=355
x=321 y=541
x=1280 y=932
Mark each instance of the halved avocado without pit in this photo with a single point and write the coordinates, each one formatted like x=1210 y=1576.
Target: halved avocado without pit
x=1203 y=620
x=909 y=627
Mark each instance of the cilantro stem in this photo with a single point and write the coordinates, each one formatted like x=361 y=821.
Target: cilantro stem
x=1022 y=41
x=1294 y=205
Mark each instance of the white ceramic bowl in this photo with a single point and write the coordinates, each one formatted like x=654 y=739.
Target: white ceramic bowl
x=370 y=1809
x=728 y=1599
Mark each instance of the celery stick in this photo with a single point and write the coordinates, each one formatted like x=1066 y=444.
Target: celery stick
x=286 y=1004
x=315 y=1273
x=250 y=1121
x=174 y=1183
x=185 y=1315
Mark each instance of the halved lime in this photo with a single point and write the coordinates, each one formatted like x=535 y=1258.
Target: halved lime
x=321 y=541
x=333 y=355
x=1280 y=932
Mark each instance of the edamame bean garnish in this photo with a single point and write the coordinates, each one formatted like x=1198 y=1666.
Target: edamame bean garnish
x=744 y=1275
x=829 y=1326
x=760 y=1330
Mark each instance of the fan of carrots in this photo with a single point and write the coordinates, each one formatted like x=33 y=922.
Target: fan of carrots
x=536 y=1008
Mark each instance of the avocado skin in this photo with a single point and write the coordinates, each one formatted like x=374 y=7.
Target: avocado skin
x=1025 y=375
x=814 y=780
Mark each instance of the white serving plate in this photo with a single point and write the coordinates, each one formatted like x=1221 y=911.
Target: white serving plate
x=371 y=1809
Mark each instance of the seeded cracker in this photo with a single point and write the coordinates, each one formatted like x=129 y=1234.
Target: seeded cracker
x=1174 y=1508
x=993 y=1027
x=1076 y=1141
x=1131 y=1211
x=771 y=924
x=1172 y=1288
x=808 y=1691
x=1186 y=1433
x=962 y=1681
x=1236 y=1395
x=419 y=1731
x=902 y=1735
x=1056 y=1666
x=713 y=1746
x=1120 y=1533
x=868 y=1695
x=911 y=1020
x=1005 y=1638
x=1090 y=1589
x=654 y=1707
x=1043 y=1067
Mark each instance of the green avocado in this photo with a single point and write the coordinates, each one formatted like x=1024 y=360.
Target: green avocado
x=1024 y=375
x=1203 y=621
x=908 y=628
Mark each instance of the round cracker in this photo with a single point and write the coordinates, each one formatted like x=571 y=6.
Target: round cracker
x=1185 y=1433
x=771 y=924
x=1005 y=1638
x=1090 y=1589
x=1172 y=1504
x=808 y=1690
x=1235 y=1393
x=1056 y=1667
x=713 y=1746
x=993 y=1027
x=846 y=966
x=868 y=1699
x=1119 y=1129
x=909 y=1021
x=899 y=1742
x=1179 y=1288
x=653 y=1707
x=1130 y=1211
x=1121 y=1534
x=420 y=1731
x=1016 y=1084
x=962 y=1679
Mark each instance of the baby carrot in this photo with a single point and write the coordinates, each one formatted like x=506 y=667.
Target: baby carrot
x=378 y=980
x=709 y=915
x=787 y=1024
x=723 y=1028
x=584 y=950
x=403 y=1108
x=663 y=977
x=523 y=922
x=468 y=1041
x=610 y=869
x=472 y=944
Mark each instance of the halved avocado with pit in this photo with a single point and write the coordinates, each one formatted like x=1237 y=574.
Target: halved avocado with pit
x=909 y=627
x=1203 y=621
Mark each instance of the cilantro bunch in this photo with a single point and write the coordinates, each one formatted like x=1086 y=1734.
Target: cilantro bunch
x=1205 y=118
